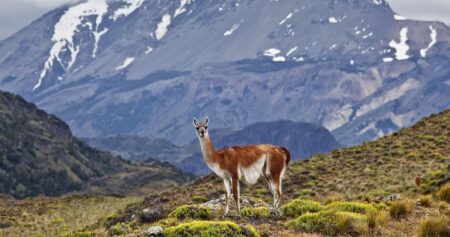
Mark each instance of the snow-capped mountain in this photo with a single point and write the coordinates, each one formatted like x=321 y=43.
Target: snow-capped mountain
x=146 y=67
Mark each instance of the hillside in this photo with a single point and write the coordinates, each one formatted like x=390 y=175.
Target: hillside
x=302 y=140
x=134 y=67
x=370 y=172
x=39 y=155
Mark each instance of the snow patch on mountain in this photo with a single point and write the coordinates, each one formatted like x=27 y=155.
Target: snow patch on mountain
x=433 y=36
x=400 y=18
x=273 y=53
x=125 y=63
x=378 y=2
x=182 y=8
x=129 y=7
x=162 y=27
x=292 y=50
x=64 y=31
x=401 y=48
x=97 y=36
x=387 y=97
x=286 y=18
x=232 y=29
x=332 y=20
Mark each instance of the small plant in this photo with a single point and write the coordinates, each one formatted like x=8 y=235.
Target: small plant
x=330 y=223
x=191 y=212
x=376 y=218
x=400 y=208
x=209 y=229
x=444 y=193
x=199 y=199
x=348 y=223
x=120 y=229
x=355 y=207
x=257 y=212
x=434 y=227
x=425 y=200
x=334 y=198
x=299 y=207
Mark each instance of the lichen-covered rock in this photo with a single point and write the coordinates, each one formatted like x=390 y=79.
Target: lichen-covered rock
x=149 y=215
x=155 y=231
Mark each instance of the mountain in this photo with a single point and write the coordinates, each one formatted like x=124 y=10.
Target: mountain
x=39 y=155
x=146 y=67
x=302 y=140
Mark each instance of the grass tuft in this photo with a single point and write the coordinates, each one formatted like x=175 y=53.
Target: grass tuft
x=400 y=208
x=257 y=212
x=434 y=227
x=444 y=193
x=207 y=229
x=299 y=207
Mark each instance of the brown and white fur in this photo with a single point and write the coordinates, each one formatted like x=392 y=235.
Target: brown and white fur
x=244 y=163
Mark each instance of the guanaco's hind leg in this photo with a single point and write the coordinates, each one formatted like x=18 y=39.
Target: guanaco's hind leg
x=235 y=186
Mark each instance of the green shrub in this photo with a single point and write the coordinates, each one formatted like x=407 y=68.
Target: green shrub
x=208 y=229
x=425 y=200
x=299 y=207
x=349 y=223
x=120 y=229
x=434 y=227
x=322 y=222
x=400 y=208
x=191 y=212
x=330 y=223
x=444 y=193
x=376 y=218
x=355 y=207
x=199 y=199
x=257 y=212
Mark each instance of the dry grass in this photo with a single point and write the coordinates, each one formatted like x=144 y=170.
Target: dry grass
x=58 y=216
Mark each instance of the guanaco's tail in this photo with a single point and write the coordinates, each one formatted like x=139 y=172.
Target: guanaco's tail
x=287 y=154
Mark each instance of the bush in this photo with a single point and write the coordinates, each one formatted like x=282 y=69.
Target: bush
x=191 y=212
x=209 y=229
x=355 y=207
x=299 y=207
x=330 y=223
x=444 y=193
x=376 y=218
x=199 y=199
x=354 y=224
x=400 y=208
x=434 y=227
x=257 y=212
x=425 y=200
x=120 y=229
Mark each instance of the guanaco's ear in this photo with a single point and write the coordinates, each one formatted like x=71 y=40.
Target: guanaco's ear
x=194 y=120
x=206 y=121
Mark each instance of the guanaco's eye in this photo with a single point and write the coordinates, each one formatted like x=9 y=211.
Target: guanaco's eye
x=206 y=127
x=197 y=128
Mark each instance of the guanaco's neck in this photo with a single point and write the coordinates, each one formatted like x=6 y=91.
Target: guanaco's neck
x=209 y=153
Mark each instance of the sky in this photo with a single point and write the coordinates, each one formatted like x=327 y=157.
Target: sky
x=16 y=14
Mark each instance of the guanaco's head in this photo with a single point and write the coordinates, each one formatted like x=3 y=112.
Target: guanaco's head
x=202 y=127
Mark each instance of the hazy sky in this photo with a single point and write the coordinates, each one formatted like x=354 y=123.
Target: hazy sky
x=15 y=14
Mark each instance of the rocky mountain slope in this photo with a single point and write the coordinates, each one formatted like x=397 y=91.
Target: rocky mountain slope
x=302 y=140
x=374 y=173
x=39 y=155
x=145 y=67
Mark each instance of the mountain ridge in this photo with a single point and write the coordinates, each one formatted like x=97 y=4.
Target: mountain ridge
x=158 y=65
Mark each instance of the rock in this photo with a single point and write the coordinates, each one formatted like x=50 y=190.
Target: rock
x=217 y=204
x=155 y=231
x=149 y=215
